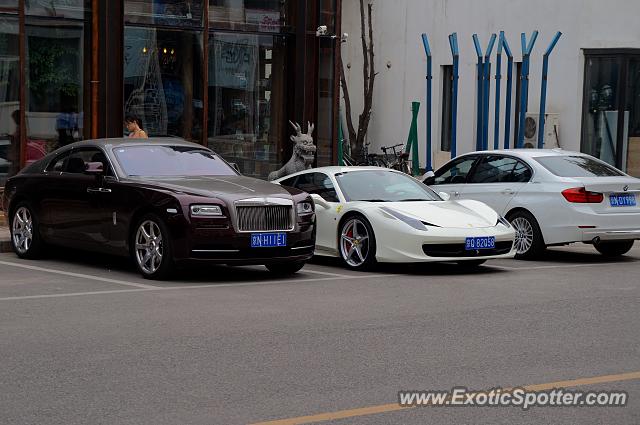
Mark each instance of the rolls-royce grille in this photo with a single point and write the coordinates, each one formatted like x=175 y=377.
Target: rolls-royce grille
x=264 y=218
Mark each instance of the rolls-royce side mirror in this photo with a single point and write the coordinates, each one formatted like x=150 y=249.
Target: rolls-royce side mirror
x=317 y=199
x=94 y=168
x=444 y=195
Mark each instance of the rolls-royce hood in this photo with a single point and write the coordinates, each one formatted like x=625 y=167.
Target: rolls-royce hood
x=453 y=214
x=223 y=187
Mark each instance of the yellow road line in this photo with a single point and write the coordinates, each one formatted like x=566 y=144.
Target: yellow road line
x=392 y=407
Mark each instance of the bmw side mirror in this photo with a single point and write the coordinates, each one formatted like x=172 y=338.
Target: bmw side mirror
x=444 y=195
x=429 y=178
x=94 y=168
x=317 y=199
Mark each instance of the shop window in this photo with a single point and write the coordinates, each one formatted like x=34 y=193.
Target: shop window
x=163 y=81
x=174 y=13
x=9 y=98
x=8 y=6
x=247 y=98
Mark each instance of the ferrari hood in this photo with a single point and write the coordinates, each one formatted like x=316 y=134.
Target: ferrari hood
x=224 y=187
x=456 y=214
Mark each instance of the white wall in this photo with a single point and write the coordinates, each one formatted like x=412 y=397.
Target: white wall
x=398 y=25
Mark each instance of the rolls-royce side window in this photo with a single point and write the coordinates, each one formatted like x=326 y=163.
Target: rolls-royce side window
x=79 y=158
x=59 y=163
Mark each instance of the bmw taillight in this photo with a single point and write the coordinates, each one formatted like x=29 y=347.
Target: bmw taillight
x=578 y=195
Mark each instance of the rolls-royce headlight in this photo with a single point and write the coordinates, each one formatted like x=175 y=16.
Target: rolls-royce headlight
x=206 y=211
x=304 y=208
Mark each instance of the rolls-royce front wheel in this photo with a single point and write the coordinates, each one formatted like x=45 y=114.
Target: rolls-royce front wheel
x=152 y=248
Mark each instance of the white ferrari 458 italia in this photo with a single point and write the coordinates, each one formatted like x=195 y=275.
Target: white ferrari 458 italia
x=371 y=214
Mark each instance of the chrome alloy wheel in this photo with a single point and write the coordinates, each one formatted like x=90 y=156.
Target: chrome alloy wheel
x=524 y=234
x=22 y=230
x=354 y=242
x=149 y=249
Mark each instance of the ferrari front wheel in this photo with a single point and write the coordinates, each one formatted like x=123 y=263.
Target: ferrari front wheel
x=357 y=243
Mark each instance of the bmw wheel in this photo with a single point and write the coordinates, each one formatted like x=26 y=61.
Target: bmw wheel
x=357 y=244
x=528 y=242
x=25 y=235
x=152 y=248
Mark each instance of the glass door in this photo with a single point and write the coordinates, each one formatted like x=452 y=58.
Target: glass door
x=631 y=143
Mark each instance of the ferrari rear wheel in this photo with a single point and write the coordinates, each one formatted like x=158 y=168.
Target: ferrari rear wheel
x=152 y=248
x=357 y=244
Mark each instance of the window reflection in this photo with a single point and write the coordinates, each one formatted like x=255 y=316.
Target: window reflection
x=247 y=90
x=73 y=9
x=55 y=58
x=163 y=81
x=164 y=12
x=9 y=99
x=259 y=15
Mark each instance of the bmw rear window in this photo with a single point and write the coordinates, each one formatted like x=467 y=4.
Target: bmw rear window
x=577 y=166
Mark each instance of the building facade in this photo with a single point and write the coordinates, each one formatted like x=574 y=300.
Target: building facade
x=228 y=74
x=593 y=84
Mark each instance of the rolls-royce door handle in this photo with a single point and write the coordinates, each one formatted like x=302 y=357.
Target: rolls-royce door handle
x=98 y=190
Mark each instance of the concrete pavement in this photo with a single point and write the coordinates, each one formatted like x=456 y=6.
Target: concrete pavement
x=85 y=340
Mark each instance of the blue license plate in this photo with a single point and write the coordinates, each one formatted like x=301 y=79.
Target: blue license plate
x=268 y=240
x=483 y=242
x=622 y=200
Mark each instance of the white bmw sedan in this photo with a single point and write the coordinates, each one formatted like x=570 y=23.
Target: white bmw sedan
x=551 y=197
x=370 y=214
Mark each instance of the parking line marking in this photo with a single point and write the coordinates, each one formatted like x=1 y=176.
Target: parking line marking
x=392 y=407
x=201 y=286
x=78 y=275
x=561 y=266
x=325 y=273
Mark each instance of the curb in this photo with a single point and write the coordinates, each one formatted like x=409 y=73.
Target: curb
x=5 y=246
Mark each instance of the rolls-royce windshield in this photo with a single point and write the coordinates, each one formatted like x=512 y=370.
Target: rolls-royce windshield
x=170 y=161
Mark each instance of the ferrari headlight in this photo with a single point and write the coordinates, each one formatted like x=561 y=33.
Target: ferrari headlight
x=206 y=211
x=413 y=222
x=503 y=221
x=304 y=208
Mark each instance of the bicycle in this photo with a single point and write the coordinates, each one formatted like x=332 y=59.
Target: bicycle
x=398 y=160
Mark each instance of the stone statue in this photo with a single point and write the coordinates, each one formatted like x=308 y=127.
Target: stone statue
x=303 y=153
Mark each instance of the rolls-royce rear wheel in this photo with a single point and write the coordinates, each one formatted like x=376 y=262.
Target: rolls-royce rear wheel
x=25 y=233
x=152 y=248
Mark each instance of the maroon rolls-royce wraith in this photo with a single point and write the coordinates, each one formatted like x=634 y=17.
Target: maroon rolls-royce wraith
x=160 y=201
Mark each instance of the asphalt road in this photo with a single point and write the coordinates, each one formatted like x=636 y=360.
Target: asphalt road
x=84 y=340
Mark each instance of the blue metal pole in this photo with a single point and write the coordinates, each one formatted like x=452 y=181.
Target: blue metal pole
x=455 y=52
x=496 y=114
x=476 y=43
x=427 y=51
x=507 y=113
x=526 y=57
x=486 y=93
x=543 y=90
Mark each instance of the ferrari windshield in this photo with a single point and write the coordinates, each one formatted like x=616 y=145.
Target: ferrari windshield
x=383 y=186
x=170 y=161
